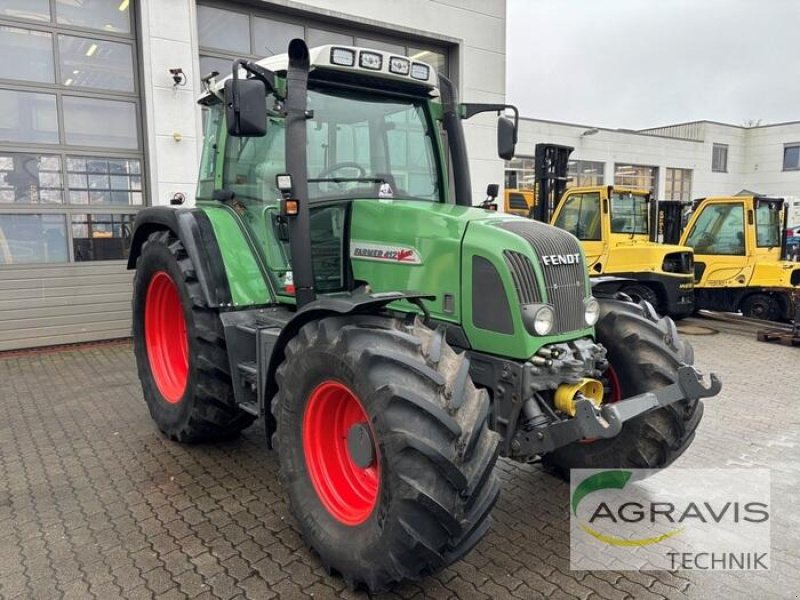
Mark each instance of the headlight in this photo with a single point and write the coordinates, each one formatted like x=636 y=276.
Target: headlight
x=677 y=262
x=592 y=311
x=543 y=320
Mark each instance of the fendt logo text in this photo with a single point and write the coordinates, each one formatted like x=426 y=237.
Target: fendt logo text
x=561 y=259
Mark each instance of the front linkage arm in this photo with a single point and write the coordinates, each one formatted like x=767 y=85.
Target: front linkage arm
x=591 y=422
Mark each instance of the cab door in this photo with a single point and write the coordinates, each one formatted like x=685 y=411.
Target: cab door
x=718 y=235
x=580 y=214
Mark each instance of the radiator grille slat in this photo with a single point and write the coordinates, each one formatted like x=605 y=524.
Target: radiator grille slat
x=565 y=284
x=524 y=277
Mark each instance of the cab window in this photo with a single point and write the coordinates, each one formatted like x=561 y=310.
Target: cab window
x=768 y=225
x=516 y=201
x=719 y=230
x=580 y=215
x=628 y=213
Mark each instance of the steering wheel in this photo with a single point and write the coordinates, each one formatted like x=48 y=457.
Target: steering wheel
x=330 y=171
x=706 y=239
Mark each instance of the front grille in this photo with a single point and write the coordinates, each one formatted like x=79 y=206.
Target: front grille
x=565 y=284
x=524 y=277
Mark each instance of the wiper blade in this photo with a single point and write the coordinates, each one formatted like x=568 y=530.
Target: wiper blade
x=347 y=179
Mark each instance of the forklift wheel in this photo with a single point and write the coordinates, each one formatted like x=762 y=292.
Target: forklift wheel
x=180 y=348
x=384 y=448
x=761 y=306
x=641 y=292
x=644 y=354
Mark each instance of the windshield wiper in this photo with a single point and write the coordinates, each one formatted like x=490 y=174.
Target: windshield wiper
x=347 y=179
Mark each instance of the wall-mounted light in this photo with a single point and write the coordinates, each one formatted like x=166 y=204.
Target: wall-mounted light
x=591 y=131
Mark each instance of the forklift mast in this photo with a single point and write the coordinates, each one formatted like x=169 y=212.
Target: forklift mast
x=550 y=172
x=669 y=222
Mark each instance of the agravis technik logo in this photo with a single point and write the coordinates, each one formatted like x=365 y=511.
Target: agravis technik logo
x=716 y=519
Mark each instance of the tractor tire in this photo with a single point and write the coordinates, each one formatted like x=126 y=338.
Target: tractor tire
x=641 y=292
x=644 y=353
x=761 y=306
x=412 y=494
x=180 y=348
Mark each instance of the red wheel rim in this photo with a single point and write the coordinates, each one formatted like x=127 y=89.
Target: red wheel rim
x=348 y=491
x=165 y=337
x=612 y=389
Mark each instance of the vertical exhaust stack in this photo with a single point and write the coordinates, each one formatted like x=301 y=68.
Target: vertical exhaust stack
x=451 y=121
x=297 y=167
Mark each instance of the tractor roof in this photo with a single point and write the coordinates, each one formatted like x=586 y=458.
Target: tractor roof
x=343 y=60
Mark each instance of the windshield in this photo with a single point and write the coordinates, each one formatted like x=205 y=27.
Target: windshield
x=359 y=146
x=629 y=213
x=768 y=224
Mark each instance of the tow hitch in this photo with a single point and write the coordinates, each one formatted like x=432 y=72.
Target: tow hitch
x=592 y=422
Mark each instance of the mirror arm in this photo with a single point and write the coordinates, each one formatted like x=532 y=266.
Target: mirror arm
x=469 y=110
x=258 y=72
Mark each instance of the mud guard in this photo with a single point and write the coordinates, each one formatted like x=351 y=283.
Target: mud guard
x=194 y=229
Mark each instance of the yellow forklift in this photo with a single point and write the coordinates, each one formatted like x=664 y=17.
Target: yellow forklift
x=617 y=229
x=739 y=246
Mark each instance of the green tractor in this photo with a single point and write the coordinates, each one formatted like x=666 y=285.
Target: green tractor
x=335 y=280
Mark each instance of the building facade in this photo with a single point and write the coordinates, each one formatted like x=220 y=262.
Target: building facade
x=676 y=162
x=98 y=118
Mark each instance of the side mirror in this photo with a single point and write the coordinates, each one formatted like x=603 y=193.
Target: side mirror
x=246 y=107
x=506 y=138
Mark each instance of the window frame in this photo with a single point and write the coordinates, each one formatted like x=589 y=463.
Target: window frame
x=64 y=150
x=311 y=20
x=717 y=206
x=580 y=199
x=791 y=146
x=654 y=174
x=682 y=192
x=715 y=168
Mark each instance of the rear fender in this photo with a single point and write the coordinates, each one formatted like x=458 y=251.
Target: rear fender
x=193 y=228
x=609 y=286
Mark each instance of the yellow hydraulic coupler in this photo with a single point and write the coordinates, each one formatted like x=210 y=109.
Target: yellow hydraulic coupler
x=567 y=393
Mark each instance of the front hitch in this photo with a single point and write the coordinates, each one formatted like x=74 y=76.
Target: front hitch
x=592 y=422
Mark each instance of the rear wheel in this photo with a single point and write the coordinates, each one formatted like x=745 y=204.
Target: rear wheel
x=644 y=353
x=761 y=306
x=180 y=348
x=384 y=448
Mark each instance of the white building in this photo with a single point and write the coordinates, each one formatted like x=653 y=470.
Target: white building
x=93 y=126
x=677 y=162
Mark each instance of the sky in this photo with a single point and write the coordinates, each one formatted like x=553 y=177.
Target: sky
x=643 y=63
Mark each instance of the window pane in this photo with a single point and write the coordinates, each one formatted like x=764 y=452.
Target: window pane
x=379 y=45
x=636 y=176
x=580 y=216
x=27 y=55
x=101 y=237
x=36 y=10
x=222 y=66
x=223 y=29
x=28 y=117
x=769 y=222
x=82 y=115
x=30 y=178
x=320 y=37
x=436 y=59
x=95 y=63
x=104 y=181
x=108 y=15
x=273 y=37
x=719 y=230
x=791 y=158
x=28 y=239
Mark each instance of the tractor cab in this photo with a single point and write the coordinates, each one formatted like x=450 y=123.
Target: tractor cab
x=739 y=243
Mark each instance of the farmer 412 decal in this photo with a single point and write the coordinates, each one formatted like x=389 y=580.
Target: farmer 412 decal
x=384 y=253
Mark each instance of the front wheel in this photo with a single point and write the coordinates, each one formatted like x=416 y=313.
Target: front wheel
x=644 y=353
x=384 y=448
